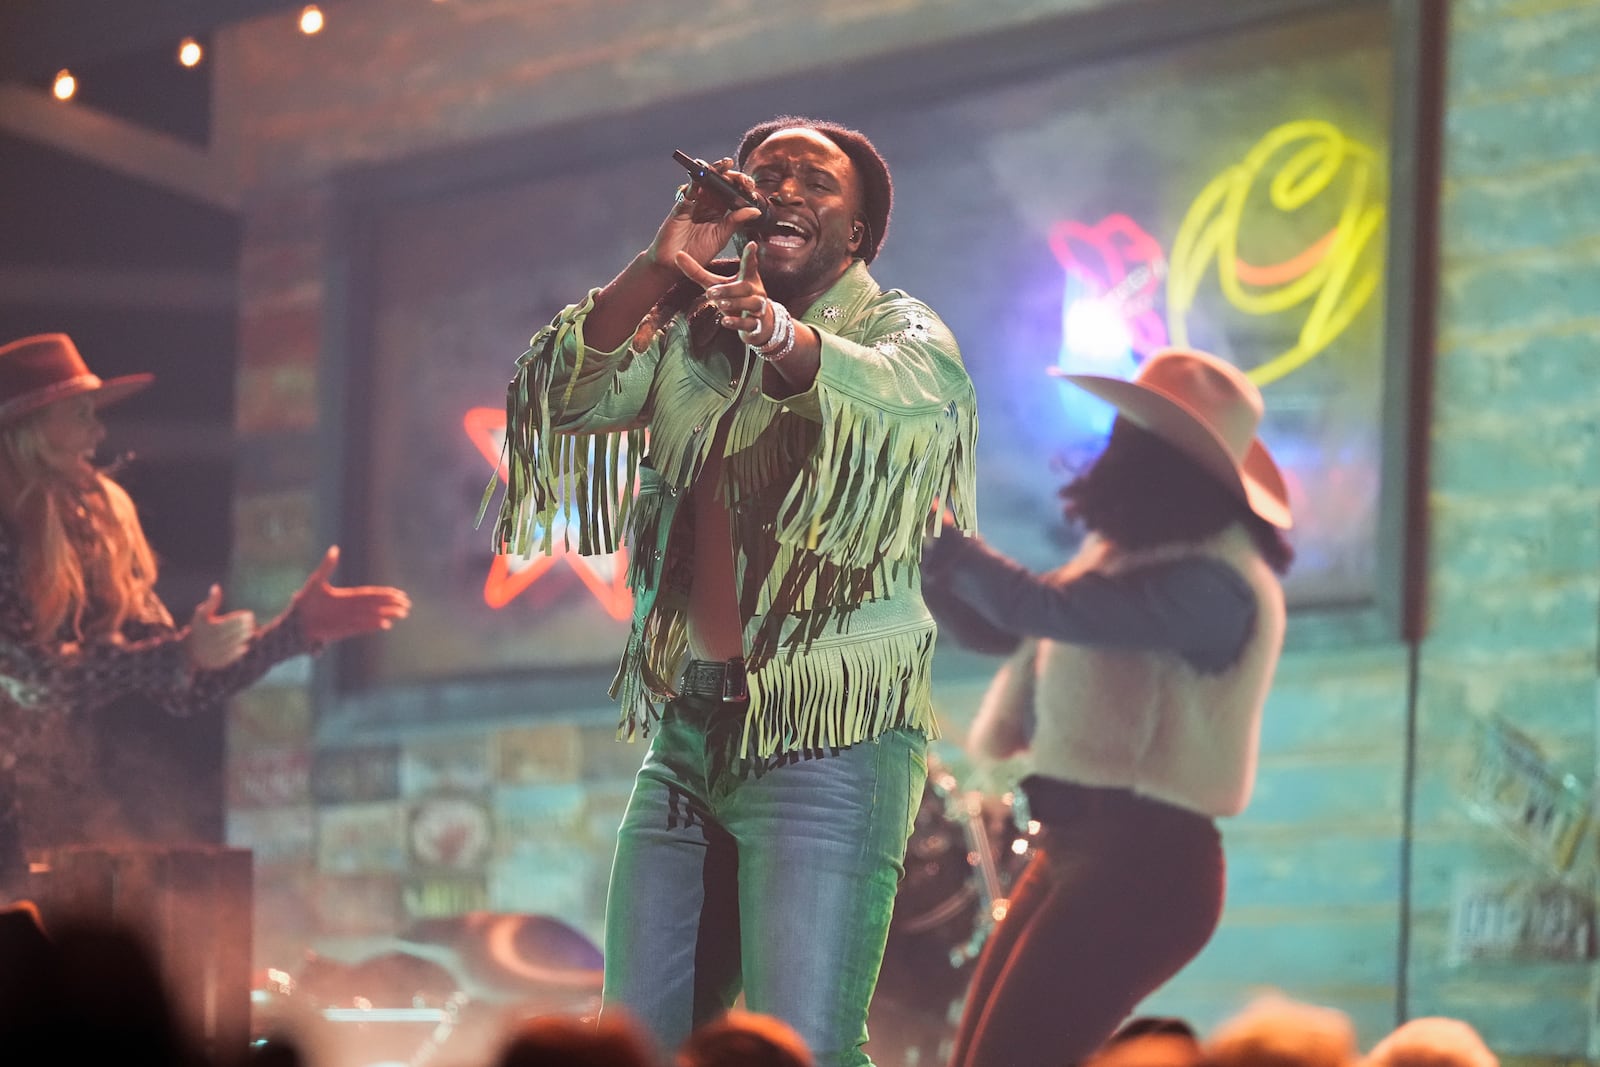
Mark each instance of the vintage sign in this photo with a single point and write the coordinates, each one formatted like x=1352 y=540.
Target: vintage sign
x=1521 y=918
x=1511 y=785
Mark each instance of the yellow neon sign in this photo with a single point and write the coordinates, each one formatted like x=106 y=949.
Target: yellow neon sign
x=1333 y=273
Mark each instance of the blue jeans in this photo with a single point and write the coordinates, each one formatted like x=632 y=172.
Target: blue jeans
x=776 y=876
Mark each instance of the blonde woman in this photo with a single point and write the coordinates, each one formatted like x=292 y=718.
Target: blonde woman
x=80 y=622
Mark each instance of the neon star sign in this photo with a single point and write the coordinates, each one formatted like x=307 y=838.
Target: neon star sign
x=509 y=576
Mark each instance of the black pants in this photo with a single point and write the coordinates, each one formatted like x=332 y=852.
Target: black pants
x=1120 y=894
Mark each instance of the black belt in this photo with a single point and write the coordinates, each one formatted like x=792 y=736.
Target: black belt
x=1055 y=800
x=717 y=679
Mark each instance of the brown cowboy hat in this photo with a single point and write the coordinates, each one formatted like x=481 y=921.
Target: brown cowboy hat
x=46 y=367
x=1207 y=408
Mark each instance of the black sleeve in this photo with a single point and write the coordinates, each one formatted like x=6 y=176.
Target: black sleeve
x=959 y=620
x=147 y=657
x=200 y=690
x=1198 y=607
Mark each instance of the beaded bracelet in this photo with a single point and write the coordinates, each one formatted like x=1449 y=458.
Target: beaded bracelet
x=781 y=342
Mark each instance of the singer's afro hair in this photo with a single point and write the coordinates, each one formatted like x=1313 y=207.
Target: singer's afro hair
x=877 y=188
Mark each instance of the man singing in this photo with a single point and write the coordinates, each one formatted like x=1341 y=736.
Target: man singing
x=801 y=424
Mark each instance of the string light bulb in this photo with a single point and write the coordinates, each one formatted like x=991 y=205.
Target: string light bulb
x=190 y=53
x=65 y=86
x=310 y=19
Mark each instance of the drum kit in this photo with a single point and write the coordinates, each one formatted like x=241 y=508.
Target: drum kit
x=967 y=847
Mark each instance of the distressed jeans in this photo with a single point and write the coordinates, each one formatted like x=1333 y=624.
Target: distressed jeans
x=775 y=876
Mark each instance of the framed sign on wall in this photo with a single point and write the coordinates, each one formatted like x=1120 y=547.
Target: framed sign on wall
x=1074 y=198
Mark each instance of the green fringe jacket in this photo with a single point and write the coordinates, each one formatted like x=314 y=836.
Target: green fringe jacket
x=831 y=492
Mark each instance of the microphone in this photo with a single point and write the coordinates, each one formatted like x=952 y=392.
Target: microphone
x=700 y=171
x=117 y=465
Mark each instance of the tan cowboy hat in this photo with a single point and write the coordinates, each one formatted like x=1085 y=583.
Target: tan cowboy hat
x=1207 y=408
x=46 y=367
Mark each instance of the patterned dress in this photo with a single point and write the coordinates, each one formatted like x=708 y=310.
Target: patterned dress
x=44 y=682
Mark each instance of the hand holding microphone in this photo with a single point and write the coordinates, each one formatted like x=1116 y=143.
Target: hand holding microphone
x=711 y=209
x=704 y=175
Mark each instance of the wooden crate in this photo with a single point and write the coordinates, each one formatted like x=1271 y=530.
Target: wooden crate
x=193 y=906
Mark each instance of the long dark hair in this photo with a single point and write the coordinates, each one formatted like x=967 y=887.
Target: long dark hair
x=1141 y=492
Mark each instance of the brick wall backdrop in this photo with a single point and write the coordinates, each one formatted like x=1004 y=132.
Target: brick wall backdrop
x=1318 y=904
x=1514 y=578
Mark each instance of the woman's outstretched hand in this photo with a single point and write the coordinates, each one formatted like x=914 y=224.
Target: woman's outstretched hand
x=213 y=640
x=328 y=613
